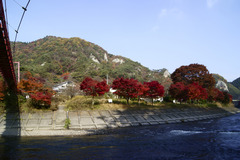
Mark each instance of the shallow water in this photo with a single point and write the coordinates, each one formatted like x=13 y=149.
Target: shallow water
x=210 y=139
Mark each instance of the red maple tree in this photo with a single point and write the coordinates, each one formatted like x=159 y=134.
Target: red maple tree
x=143 y=88
x=204 y=93
x=212 y=94
x=88 y=86
x=94 y=88
x=126 y=88
x=227 y=97
x=194 y=73
x=190 y=92
x=40 y=99
x=102 y=88
x=2 y=89
x=220 y=96
x=40 y=95
x=178 y=91
x=196 y=92
x=155 y=90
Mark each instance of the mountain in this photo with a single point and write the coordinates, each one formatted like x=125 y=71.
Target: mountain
x=236 y=83
x=50 y=57
x=222 y=84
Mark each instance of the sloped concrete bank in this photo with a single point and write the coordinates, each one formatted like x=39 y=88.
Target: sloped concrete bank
x=96 y=121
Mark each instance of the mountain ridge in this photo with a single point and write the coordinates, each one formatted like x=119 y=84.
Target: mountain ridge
x=51 y=56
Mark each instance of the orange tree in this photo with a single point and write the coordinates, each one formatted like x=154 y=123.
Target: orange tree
x=34 y=87
x=29 y=84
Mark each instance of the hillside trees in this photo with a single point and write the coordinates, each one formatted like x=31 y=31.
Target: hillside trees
x=236 y=83
x=52 y=56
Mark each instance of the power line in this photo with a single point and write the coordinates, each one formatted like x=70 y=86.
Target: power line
x=25 y=9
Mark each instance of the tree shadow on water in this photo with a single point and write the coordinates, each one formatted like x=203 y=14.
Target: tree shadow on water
x=10 y=126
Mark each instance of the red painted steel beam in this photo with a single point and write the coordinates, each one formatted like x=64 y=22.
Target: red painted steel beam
x=6 y=63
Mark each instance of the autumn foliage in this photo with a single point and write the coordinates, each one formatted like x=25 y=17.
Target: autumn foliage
x=41 y=98
x=131 y=88
x=194 y=83
x=196 y=92
x=29 y=84
x=126 y=88
x=178 y=91
x=34 y=87
x=65 y=76
x=194 y=73
x=94 y=88
x=2 y=89
x=155 y=90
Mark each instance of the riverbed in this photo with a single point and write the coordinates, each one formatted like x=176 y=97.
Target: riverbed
x=209 y=139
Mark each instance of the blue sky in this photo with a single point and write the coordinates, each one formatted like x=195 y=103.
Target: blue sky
x=156 y=33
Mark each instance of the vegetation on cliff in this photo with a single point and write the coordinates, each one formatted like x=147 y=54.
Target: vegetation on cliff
x=51 y=57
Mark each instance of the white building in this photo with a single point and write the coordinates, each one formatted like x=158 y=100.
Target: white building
x=62 y=86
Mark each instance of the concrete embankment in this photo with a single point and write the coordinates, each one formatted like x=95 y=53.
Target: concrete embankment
x=95 y=121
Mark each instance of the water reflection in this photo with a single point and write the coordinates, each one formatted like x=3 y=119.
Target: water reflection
x=212 y=139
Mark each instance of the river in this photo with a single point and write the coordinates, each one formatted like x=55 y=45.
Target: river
x=209 y=139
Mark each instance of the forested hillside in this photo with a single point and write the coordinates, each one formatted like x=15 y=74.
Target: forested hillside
x=236 y=83
x=51 y=57
x=233 y=90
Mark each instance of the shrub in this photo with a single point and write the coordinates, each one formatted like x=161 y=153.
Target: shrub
x=79 y=102
x=21 y=99
x=41 y=99
x=168 y=99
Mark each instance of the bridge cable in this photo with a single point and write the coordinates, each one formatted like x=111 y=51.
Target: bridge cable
x=25 y=9
x=5 y=10
x=12 y=27
x=20 y=5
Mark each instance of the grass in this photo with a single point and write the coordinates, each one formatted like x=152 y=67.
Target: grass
x=67 y=123
x=84 y=103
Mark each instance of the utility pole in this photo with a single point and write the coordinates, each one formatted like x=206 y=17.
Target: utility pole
x=18 y=63
x=107 y=79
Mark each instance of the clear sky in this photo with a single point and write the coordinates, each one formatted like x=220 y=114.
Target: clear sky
x=156 y=33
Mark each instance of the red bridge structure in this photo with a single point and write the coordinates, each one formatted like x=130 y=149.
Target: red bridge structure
x=6 y=62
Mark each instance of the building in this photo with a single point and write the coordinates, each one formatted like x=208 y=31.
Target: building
x=63 y=86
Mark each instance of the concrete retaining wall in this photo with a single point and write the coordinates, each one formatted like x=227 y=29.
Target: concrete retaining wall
x=89 y=122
